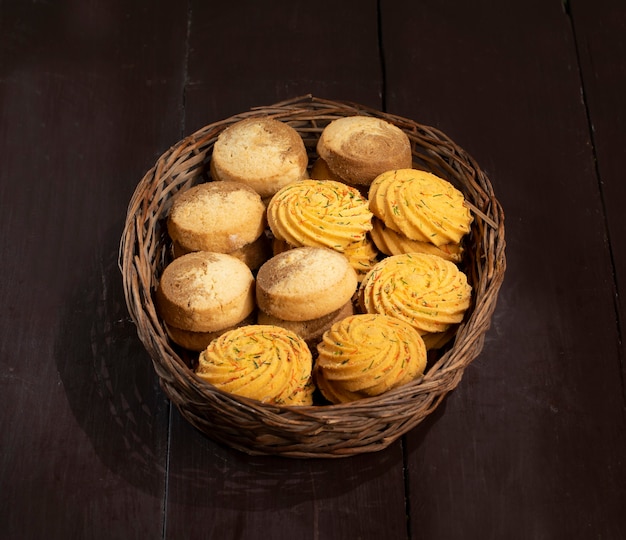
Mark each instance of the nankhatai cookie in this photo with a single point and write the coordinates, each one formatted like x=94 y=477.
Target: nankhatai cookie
x=205 y=292
x=261 y=152
x=426 y=291
x=223 y=217
x=253 y=254
x=420 y=205
x=305 y=283
x=198 y=341
x=357 y=149
x=367 y=355
x=361 y=255
x=311 y=330
x=262 y=362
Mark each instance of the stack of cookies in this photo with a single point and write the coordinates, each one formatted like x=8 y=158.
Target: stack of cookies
x=203 y=294
x=323 y=213
x=335 y=275
x=416 y=211
x=222 y=217
x=305 y=290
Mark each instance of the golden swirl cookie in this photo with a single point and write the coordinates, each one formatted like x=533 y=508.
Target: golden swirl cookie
x=437 y=340
x=320 y=171
x=362 y=256
x=391 y=242
x=262 y=362
x=366 y=355
x=428 y=292
x=421 y=206
x=321 y=213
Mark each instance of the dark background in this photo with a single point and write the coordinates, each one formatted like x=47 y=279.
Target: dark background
x=532 y=443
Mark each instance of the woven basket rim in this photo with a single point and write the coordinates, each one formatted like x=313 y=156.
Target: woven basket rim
x=259 y=428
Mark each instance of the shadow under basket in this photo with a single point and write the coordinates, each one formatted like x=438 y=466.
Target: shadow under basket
x=342 y=430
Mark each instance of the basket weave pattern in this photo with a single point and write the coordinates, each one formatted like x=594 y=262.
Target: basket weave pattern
x=323 y=430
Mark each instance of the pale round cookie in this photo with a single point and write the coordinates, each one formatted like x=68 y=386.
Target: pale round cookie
x=359 y=148
x=367 y=355
x=310 y=331
x=261 y=152
x=216 y=216
x=262 y=362
x=205 y=292
x=305 y=283
x=424 y=290
x=362 y=254
x=198 y=341
x=253 y=254
x=421 y=206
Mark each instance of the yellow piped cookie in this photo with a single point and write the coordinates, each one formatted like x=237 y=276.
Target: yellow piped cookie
x=319 y=213
x=424 y=290
x=367 y=355
x=362 y=256
x=320 y=171
x=262 y=362
x=391 y=242
x=420 y=205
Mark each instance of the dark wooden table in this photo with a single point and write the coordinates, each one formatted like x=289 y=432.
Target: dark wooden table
x=531 y=445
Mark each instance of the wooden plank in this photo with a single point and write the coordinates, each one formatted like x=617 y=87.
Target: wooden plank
x=90 y=96
x=253 y=54
x=216 y=492
x=599 y=28
x=530 y=445
x=242 y=56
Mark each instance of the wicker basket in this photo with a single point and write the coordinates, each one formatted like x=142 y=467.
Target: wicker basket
x=321 y=430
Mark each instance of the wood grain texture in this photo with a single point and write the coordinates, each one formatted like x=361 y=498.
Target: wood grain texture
x=536 y=427
x=90 y=94
x=599 y=29
x=246 y=55
x=531 y=443
x=215 y=492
